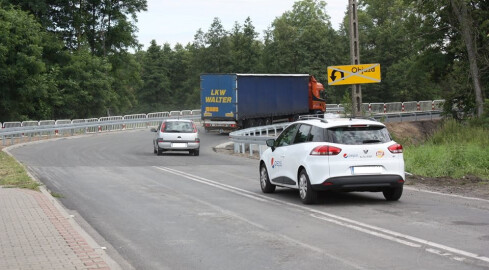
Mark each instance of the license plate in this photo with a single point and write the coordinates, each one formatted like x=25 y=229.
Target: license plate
x=179 y=145
x=366 y=170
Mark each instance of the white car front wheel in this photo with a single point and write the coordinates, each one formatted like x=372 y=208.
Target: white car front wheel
x=265 y=184
x=307 y=194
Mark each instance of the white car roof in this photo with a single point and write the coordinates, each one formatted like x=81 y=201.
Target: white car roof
x=334 y=122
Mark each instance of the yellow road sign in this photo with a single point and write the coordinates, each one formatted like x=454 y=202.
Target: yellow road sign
x=354 y=74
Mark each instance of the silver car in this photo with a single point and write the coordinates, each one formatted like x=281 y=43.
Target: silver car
x=176 y=135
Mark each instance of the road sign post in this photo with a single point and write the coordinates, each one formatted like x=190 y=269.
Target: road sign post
x=355 y=56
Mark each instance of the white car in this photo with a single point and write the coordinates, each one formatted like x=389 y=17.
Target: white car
x=176 y=135
x=334 y=154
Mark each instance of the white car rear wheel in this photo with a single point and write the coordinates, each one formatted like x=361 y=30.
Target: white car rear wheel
x=393 y=194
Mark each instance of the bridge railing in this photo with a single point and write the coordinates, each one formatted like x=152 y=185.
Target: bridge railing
x=112 y=123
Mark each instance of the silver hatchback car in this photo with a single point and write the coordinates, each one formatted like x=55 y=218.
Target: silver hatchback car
x=176 y=135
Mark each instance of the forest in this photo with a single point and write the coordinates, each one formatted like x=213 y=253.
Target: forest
x=72 y=59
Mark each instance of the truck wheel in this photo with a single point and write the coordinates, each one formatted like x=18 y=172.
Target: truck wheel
x=260 y=122
x=307 y=194
x=246 y=123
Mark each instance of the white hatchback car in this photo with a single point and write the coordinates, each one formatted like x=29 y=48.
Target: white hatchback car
x=334 y=154
x=176 y=135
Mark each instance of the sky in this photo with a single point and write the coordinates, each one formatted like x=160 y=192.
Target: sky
x=177 y=21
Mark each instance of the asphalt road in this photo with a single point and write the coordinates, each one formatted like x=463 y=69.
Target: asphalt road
x=207 y=212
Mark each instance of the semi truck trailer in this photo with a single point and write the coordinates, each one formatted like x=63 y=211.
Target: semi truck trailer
x=234 y=101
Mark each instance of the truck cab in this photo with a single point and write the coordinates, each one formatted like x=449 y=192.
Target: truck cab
x=316 y=103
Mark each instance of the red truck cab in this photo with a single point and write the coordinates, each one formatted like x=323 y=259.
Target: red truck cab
x=316 y=103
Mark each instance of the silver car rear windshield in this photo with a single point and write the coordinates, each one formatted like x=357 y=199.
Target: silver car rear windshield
x=178 y=127
x=360 y=134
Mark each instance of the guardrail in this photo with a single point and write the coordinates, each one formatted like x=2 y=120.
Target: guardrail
x=257 y=136
x=18 y=133
x=393 y=107
x=407 y=116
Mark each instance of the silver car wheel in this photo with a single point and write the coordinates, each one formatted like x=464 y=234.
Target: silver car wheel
x=266 y=185
x=303 y=186
x=263 y=177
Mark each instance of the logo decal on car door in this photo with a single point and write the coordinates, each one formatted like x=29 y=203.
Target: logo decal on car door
x=276 y=163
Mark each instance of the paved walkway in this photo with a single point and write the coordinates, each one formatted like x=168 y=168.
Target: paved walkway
x=35 y=234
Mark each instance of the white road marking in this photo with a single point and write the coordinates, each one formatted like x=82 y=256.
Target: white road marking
x=404 y=239
x=445 y=194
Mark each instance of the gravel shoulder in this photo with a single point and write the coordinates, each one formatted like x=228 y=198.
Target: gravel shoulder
x=467 y=187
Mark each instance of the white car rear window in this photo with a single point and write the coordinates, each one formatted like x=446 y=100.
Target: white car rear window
x=358 y=135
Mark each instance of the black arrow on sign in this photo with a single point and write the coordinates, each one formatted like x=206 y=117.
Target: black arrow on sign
x=333 y=77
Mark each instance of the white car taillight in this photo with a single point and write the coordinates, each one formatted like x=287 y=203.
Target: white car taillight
x=395 y=148
x=325 y=150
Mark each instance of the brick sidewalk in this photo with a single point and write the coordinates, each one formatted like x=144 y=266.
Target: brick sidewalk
x=34 y=234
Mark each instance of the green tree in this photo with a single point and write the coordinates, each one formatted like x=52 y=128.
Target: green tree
x=85 y=87
x=459 y=29
x=126 y=81
x=24 y=79
x=181 y=78
x=106 y=26
x=155 y=91
x=463 y=12
x=245 y=48
x=217 y=48
x=389 y=34
x=302 y=41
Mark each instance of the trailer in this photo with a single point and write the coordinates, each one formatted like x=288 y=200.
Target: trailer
x=233 y=101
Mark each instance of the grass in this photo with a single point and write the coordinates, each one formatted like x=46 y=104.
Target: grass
x=12 y=174
x=456 y=150
x=56 y=195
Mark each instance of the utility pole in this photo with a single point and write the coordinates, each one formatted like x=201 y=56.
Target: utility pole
x=356 y=90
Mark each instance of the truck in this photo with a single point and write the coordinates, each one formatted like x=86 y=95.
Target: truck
x=234 y=101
